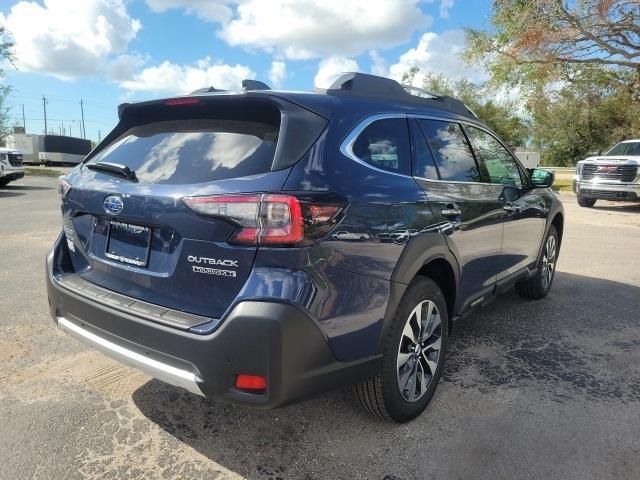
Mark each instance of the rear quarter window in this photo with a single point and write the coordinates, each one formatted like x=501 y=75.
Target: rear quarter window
x=384 y=144
x=194 y=151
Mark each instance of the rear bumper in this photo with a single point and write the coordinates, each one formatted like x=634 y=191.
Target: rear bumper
x=608 y=191
x=271 y=339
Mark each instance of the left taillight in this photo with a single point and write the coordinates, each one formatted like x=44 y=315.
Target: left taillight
x=63 y=187
x=272 y=219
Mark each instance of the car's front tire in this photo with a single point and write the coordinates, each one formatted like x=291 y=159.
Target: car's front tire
x=586 y=202
x=538 y=286
x=413 y=356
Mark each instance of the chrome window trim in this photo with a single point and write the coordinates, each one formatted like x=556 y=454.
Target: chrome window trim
x=346 y=147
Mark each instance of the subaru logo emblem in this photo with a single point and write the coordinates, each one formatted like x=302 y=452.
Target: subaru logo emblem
x=113 y=205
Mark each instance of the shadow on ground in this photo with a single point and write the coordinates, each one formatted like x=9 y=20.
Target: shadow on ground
x=18 y=188
x=623 y=207
x=573 y=346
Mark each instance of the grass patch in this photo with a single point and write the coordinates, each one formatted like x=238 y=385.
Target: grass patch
x=49 y=172
x=562 y=185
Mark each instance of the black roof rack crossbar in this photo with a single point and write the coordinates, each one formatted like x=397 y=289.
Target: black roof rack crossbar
x=248 y=84
x=382 y=88
x=207 y=90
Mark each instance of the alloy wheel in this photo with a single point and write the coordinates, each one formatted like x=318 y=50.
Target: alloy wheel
x=419 y=350
x=548 y=261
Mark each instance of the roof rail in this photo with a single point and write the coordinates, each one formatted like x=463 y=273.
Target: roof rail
x=248 y=84
x=373 y=86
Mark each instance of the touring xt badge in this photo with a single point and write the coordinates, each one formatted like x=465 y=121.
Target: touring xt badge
x=207 y=265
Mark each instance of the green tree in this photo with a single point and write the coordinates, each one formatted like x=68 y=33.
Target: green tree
x=6 y=53
x=491 y=105
x=551 y=39
x=581 y=117
x=577 y=64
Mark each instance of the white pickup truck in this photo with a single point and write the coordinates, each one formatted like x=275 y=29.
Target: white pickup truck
x=11 y=167
x=611 y=176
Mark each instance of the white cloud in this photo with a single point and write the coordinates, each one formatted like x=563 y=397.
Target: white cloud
x=123 y=67
x=378 y=63
x=303 y=29
x=68 y=39
x=330 y=67
x=445 y=6
x=171 y=78
x=277 y=72
x=208 y=10
x=437 y=54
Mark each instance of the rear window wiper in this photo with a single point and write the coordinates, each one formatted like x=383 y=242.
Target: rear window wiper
x=115 y=168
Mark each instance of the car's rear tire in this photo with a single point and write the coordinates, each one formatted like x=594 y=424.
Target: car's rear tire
x=586 y=202
x=410 y=373
x=538 y=286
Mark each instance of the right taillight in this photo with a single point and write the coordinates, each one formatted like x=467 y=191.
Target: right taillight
x=273 y=219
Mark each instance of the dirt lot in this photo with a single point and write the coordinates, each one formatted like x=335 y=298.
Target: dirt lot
x=548 y=389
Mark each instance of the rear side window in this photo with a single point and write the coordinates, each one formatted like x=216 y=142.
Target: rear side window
x=384 y=144
x=194 y=151
x=451 y=151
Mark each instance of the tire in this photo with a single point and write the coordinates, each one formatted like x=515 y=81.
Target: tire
x=586 y=202
x=4 y=182
x=538 y=286
x=382 y=396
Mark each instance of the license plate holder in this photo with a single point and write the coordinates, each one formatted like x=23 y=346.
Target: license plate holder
x=128 y=243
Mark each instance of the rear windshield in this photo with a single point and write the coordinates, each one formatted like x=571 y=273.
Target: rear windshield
x=194 y=151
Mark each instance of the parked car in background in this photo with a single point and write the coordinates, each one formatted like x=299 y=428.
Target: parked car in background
x=11 y=167
x=198 y=240
x=611 y=176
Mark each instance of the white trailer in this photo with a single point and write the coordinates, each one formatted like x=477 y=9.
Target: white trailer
x=28 y=144
x=528 y=159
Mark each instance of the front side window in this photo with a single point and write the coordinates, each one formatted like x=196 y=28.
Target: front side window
x=451 y=151
x=499 y=165
x=384 y=144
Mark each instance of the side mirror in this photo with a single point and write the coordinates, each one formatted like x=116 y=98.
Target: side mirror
x=541 y=178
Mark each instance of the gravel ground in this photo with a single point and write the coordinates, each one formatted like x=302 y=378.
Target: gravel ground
x=547 y=389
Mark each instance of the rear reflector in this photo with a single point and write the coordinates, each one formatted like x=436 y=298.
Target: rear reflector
x=252 y=383
x=181 y=101
x=270 y=219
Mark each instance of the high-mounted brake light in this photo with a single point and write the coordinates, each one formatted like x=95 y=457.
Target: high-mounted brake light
x=63 y=187
x=181 y=101
x=271 y=219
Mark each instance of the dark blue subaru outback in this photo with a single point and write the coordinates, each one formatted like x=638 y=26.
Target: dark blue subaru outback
x=264 y=246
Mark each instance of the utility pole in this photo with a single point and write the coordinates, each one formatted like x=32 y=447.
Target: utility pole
x=44 y=106
x=84 y=132
x=98 y=136
x=24 y=123
x=70 y=133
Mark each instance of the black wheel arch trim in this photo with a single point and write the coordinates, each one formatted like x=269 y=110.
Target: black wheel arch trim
x=419 y=252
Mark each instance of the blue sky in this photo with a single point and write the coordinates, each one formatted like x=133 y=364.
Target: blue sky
x=106 y=52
